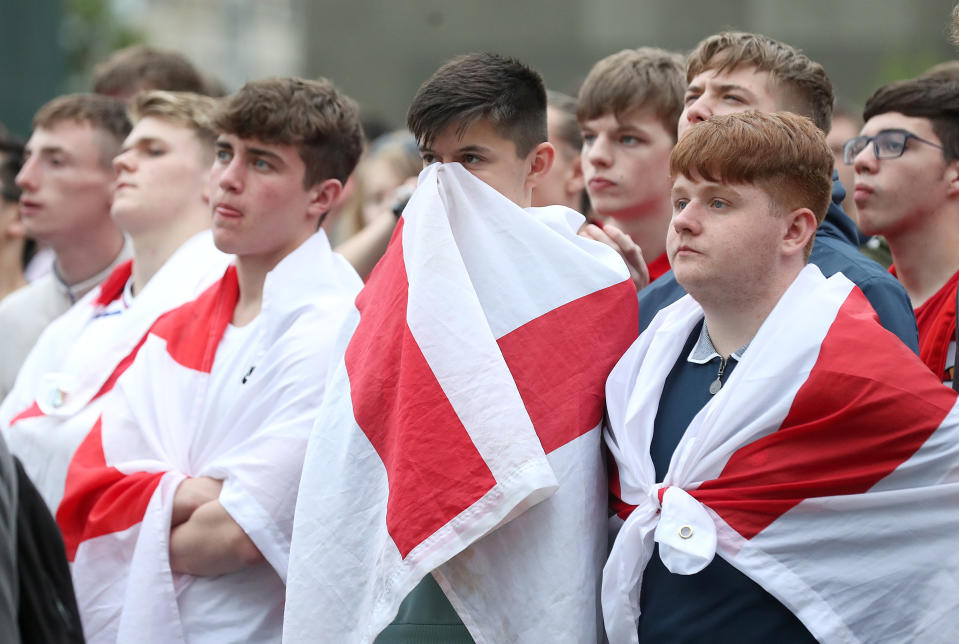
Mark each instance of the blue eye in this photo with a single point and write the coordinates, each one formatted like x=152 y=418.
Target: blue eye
x=260 y=164
x=717 y=204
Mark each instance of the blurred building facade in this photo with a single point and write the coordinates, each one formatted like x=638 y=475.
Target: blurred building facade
x=379 y=51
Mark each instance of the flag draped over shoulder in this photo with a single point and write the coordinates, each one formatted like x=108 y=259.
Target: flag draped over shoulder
x=460 y=434
x=59 y=390
x=825 y=469
x=163 y=423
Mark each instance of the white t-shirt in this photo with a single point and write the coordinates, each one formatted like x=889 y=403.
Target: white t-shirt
x=252 y=596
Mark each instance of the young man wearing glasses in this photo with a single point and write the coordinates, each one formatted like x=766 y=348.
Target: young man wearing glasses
x=907 y=189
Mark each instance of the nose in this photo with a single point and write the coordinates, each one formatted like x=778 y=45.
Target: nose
x=27 y=178
x=124 y=161
x=229 y=176
x=866 y=160
x=687 y=220
x=696 y=111
x=597 y=152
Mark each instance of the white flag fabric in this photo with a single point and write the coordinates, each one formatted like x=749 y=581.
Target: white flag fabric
x=60 y=389
x=461 y=430
x=826 y=470
x=162 y=424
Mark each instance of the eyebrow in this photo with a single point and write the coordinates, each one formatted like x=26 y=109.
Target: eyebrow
x=47 y=150
x=140 y=142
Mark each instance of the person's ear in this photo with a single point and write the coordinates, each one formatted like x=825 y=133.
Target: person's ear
x=15 y=228
x=323 y=196
x=800 y=227
x=541 y=160
x=575 y=183
x=952 y=178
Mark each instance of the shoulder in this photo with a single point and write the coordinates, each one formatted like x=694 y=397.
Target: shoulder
x=884 y=292
x=658 y=295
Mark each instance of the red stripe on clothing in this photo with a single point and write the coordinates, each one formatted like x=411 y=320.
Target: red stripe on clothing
x=193 y=331
x=98 y=499
x=866 y=407
x=658 y=267
x=433 y=468
x=112 y=287
x=560 y=365
x=33 y=411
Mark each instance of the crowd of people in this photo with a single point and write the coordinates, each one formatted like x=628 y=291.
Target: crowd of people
x=614 y=367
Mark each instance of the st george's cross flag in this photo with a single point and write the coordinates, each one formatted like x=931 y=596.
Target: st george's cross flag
x=460 y=434
x=61 y=387
x=826 y=469
x=176 y=413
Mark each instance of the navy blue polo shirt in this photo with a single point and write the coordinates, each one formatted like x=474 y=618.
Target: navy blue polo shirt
x=718 y=604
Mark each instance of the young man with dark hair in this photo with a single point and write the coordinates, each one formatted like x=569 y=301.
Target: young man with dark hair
x=768 y=418
x=465 y=414
x=907 y=189
x=207 y=426
x=66 y=184
x=161 y=201
x=731 y=72
x=627 y=111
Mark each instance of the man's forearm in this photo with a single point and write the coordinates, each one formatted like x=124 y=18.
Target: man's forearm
x=211 y=543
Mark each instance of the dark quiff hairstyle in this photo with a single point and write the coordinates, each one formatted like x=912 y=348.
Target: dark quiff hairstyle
x=506 y=92
x=322 y=122
x=783 y=153
x=108 y=115
x=933 y=98
x=635 y=79
x=805 y=87
x=136 y=68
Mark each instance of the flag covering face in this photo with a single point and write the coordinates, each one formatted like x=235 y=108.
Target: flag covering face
x=60 y=389
x=164 y=422
x=825 y=470
x=460 y=433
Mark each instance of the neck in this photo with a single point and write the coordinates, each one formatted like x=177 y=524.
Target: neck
x=87 y=253
x=11 y=266
x=733 y=319
x=927 y=256
x=152 y=249
x=647 y=227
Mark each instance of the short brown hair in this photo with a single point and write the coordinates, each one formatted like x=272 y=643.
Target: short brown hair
x=140 y=67
x=185 y=109
x=103 y=113
x=567 y=128
x=928 y=97
x=948 y=69
x=807 y=90
x=506 y=92
x=322 y=122
x=783 y=153
x=635 y=79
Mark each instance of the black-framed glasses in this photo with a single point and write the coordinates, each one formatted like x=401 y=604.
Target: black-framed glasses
x=888 y=144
